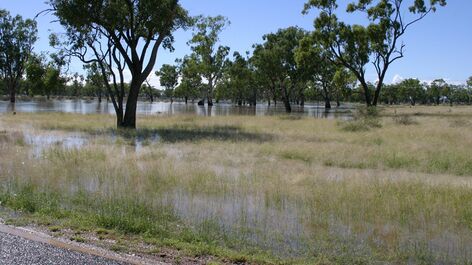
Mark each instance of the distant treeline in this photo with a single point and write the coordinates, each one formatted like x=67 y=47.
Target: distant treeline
x=408 y=91
x=290 y=66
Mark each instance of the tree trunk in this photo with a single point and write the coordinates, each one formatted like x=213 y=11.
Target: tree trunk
x=129 y=120
x=367 y=96
x=377 y=93
x=288 y=107
x=286 y=99
x=327 y=104
x=12 y=92
x=119 y=118
x=186 y=100
x=326 y=96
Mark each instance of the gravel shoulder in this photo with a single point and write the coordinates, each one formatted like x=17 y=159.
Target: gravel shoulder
x=22 y=246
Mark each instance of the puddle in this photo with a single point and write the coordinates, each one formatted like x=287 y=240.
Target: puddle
x=133 y=144
x=140 y=143
x=247 y=217
x=42 y=142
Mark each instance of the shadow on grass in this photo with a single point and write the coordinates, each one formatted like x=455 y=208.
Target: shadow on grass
x=218 y=133
x=185 y=133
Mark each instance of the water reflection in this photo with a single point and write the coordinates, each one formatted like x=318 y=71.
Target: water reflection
x=42 y=142
x=166 y=108
x=251 y=218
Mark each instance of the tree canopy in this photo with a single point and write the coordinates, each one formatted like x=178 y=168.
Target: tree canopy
x=169 y=79
x=119 y=35
x=208 y=55
x=275 y=60
x=354 y=46
x=17 y=37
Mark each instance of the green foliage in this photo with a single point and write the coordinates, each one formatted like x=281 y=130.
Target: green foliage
x=169 y=78
x=238 y=81
x=134 y=31
x=17 y=37
x=35 y=73
x=437 y=90
x=191 y=81
x=409 y=91
x=354 y=46
x=364 y=119
x=95 y=80
x=275 y=63
x=43 y=78
x=208 y=56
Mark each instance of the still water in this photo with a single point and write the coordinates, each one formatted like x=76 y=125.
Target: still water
x=166 y=108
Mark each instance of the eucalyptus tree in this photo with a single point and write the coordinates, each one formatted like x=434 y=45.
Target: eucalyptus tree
x=380 y=43
x=437 y=90
x=169 y=79
x=313 y=61
x=190 y=79
x=459 y=94
x=17 y=37
x=344 y=83
x=121 y=36
x=237 y=83
x=411 y=90
x=210 y=56
x=53 y=80
x=95 y=80
x=43 y=77
x=469 y=89
x=275 y=60
x=266 y=71
x=35 y=74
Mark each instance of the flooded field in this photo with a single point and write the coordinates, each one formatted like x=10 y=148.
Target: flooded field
x=254 y=185
x=176 y=108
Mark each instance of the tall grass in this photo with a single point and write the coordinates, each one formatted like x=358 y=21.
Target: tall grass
x=258 y=189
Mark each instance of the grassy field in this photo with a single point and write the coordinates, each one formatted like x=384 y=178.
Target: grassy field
x=394 y=188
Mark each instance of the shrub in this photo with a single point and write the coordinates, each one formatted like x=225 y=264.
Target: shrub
x=404 y=120
x=360 y=124
x=364 y=119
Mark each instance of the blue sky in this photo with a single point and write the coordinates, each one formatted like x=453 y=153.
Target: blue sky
x=440 y=46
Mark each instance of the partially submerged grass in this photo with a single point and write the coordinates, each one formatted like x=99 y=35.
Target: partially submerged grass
x=256 y=189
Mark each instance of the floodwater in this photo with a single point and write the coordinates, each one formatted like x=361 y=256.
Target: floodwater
x=165 y=108
x=41 y=142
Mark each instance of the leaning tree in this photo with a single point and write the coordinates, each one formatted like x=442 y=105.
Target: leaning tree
x=122 y=37
x=17 y=37
x=380 y=42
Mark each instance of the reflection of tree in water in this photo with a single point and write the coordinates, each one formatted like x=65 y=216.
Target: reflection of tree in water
x=146 y=108
x=11 y=108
